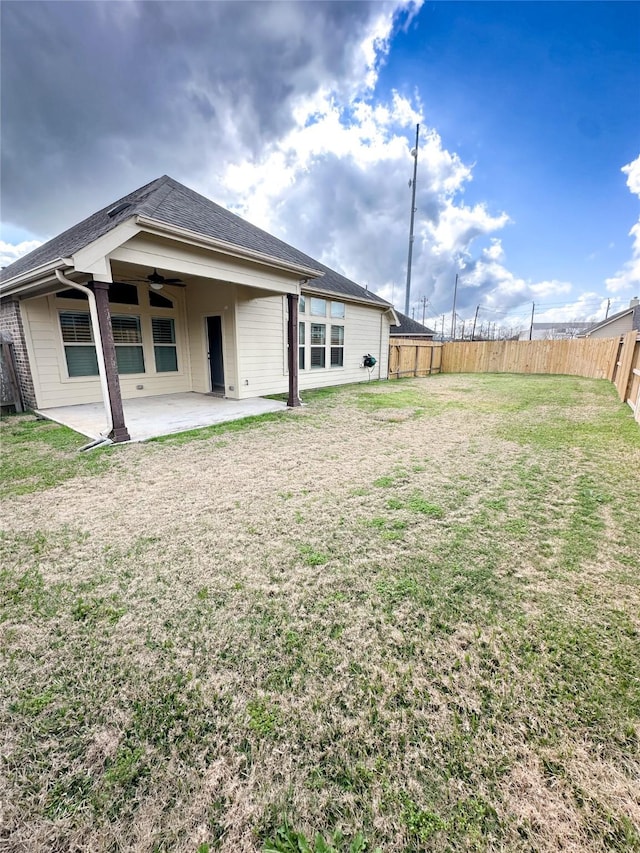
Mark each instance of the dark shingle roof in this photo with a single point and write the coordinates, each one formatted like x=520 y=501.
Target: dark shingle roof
x=170 y=202
x=410 y=327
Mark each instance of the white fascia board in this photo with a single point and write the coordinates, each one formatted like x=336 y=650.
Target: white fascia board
x=394 y=317
x=32 y=278
x=163 y=229
x=94 y=258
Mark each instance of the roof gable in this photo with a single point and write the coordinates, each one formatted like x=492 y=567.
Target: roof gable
x=170 y=202
x=611 y=319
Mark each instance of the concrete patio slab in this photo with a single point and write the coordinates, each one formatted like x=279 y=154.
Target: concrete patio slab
x=148 y=417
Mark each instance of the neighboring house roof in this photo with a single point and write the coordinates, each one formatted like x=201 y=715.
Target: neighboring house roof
x=561 y=327
x=409 y=327
x=566 y=330
x=167 y=201
x=633 y=309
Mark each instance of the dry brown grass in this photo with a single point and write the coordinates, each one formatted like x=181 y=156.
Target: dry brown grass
x=410 y=615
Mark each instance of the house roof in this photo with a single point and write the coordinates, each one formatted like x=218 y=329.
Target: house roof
x=170 y=202
x=612 y=319
x=410 y=327
x=562 y=327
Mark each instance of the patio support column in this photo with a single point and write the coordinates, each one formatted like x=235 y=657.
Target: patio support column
x=119 y=431
x=292 y=330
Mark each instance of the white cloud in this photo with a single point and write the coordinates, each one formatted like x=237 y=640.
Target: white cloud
x=275 y=116
x=628 y=277
x=337 y=186
x=545 y=289
x=632 y=171
x=10 y=252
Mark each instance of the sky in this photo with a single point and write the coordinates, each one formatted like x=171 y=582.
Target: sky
x=301 y=117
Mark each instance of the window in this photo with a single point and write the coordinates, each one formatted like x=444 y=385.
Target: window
x=301 y=343
x=318 y=345
x=337 y=310
x=127 y=337
x=302 y=303
x=157 y=300
x=72 y=293
x=79 y=348
x=124 y=294
x=119 y=291
x=164 y=344
x=337 y=346
x=318 y=307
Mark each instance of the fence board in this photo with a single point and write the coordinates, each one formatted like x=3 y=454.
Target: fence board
x=595 y=358
x=588 y=357
x=626 y=364
x=9 y=385
x=414 y=357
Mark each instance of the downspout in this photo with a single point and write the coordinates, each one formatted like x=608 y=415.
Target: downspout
x=102 y=371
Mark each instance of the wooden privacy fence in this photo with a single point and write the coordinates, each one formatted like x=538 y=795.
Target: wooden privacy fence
x=626 y=371
x=414 y=357
x=590 y=357
x=9 y=386
x=615 y=359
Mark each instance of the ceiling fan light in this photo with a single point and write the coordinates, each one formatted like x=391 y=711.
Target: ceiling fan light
x=156 y=285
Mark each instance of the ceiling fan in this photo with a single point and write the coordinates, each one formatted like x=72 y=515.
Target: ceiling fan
x=157 y=281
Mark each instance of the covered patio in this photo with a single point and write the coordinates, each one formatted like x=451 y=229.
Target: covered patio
x=149 y=417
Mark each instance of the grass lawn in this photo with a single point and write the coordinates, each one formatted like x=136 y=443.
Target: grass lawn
x=403 y=618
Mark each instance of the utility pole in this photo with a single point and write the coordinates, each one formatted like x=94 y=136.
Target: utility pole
x=442 y=328
x=463 y=330
x=533 y=308
x=608 y=306
x=413 y=313
x=414 y=154
x=473 y=331
x=453 y=310
x=424 y=307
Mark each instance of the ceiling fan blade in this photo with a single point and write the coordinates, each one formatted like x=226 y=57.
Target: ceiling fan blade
x=156 y=278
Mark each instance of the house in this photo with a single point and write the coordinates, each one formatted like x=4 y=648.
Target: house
x=553 y=331
x=617 y=324
x=165 y=291
x=409 y=328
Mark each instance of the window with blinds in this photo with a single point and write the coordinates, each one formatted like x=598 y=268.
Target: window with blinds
x=337 y=346
x=164 y=344
x=301 y=345
x=318 y=345
x=79 y=348
x=127 y=336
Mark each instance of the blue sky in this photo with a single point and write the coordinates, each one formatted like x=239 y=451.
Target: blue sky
x=544 y=99
x=300 y=116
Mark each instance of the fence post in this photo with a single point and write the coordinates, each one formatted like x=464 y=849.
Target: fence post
x=8 y=358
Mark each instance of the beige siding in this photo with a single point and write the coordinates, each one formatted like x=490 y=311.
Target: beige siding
x=261 y=325
x=208 y=299
x=46 y=350
x=615 y=329
x=254 y=330
x=152 y=251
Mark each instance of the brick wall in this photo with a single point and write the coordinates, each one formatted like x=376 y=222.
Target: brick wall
x=11 y=324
